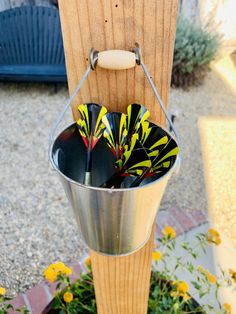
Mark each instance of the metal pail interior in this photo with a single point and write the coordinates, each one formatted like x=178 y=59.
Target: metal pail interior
x=111 y=221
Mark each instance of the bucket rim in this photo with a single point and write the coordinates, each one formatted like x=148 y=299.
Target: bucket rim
x=110 y=190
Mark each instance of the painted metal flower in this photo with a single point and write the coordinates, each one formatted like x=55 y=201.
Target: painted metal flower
x=136 y=115
x=91 y=129
x=133 y=162
x=115 y=132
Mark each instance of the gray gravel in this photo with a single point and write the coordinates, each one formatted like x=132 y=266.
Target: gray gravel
x=37 y=225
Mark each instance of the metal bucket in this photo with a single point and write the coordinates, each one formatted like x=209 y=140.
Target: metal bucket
x=111 y=221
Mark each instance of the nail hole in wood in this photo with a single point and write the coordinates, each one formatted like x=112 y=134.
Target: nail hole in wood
x=105 y=21
x=116 y=5
x=86 y=59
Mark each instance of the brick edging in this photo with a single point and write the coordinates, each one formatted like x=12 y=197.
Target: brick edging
x=38 y=297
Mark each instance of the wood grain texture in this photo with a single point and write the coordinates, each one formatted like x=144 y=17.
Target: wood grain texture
x=121 y=283
x=109 y=24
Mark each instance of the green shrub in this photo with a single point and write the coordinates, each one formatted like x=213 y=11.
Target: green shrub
x=195 y=48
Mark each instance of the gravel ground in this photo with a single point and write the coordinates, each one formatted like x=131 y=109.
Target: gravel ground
x=37 y=225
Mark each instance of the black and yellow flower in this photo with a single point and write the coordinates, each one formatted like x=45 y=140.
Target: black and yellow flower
x=115 y=132
x=91 y=129
x=90 y=125
x=136 y=115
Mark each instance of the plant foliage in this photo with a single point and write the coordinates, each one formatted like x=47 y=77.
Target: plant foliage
x=195 y=47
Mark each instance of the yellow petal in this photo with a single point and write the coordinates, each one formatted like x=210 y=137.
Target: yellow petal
x=169 y=231
x=68 y=297
x=227 y=307
x=156 y=256
x=2 y=291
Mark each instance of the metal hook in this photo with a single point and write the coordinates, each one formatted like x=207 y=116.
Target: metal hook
x=93 y=58
x=138 y=55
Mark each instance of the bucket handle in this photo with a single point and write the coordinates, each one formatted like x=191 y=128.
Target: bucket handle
x=116 y=60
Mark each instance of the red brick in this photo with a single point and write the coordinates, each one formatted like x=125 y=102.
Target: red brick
x=198 y=216
x=76 y=272
x=51 y=287
x=165 y=218
x=38 y=298
x=158 y=233
x=18 y=302
x=185 y=222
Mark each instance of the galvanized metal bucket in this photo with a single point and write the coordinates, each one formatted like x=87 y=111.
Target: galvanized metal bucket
x=111 y=221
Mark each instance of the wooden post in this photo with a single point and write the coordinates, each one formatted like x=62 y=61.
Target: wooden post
x=121 y=283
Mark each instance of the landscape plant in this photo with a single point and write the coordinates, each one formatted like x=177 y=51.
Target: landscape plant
x=195 y=47
x=169 y=293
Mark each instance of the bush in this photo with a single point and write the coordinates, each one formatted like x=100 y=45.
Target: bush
x=195 y=47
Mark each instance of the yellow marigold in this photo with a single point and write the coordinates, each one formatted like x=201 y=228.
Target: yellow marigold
x=233 y=274
x=211 y=278
x=227 y=308
x=213 y=232
x=156 y=256
x=2 y=291
x=55 y=269
x=68 y=297
x=88 y=261
x=50 y=274
x=182 y=286
x=169 y=232
x=60 y=267
x=182 y=289
x=213 y=236
x=176 y=294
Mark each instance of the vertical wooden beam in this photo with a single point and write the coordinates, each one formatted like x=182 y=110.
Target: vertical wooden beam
x=121 y=283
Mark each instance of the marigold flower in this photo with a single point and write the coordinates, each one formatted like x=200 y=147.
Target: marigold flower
x=210 y=277
x=233 y=274
x=213 y=232
x=213 y=236
x=156 y=256
x=88 y=261
x=55 y=269
x=169 y=232
x=2 y=291
x=62 y=268
x=182 y=289
x=182 y=286
x=227 y=308
x=68 y=297
x=50 y=275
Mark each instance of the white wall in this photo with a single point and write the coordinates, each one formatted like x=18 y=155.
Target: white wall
x=220 y=14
